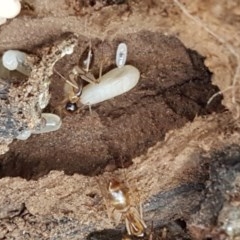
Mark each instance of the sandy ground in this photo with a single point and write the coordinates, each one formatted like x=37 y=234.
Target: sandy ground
x=175 y=87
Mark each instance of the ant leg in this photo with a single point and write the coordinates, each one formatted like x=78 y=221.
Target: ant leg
x=117 y=216
x=128 y=226
x=90 y=55
x=89 y=77
x=85 y=72
x=86 y=76
x=101 y=64
x=100 y=72
x=74 y=85
x=141 y=210
x=90 y=109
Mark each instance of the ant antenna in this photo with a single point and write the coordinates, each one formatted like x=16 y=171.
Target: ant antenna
x=67 y=81
x=101 y=62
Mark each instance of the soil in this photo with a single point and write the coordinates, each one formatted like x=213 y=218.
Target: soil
x=183 y=61
x=174 y=88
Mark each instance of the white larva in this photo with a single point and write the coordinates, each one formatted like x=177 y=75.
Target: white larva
x=111 y=84
x=121 y=55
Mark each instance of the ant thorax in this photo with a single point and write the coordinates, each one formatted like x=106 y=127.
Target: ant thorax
x=118 y=194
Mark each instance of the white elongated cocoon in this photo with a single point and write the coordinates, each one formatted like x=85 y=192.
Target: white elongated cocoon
x=9 y=8
x=53 y=123
x=112 y=84
x=24 y=135
x=2 y=20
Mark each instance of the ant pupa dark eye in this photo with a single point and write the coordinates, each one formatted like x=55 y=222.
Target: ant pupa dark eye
x=71 y=107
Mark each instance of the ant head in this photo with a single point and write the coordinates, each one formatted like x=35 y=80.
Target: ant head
x=114 y=185
x=71 y=107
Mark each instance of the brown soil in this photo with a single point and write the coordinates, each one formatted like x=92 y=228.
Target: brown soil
x=174 y=88
x=155 y=125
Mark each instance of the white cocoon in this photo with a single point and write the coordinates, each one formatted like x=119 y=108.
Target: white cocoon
x=112 y=84
x=9 y=8
x=53 y=123
x=12 y=58
x=24 y=135
x=2 y=20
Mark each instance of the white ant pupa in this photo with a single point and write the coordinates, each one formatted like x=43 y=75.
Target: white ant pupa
x=121 y=55
x=112 y=84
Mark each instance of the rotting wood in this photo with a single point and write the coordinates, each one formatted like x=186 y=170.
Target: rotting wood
x=169 y=179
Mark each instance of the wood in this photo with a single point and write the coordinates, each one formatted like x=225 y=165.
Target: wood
x=170 y=180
